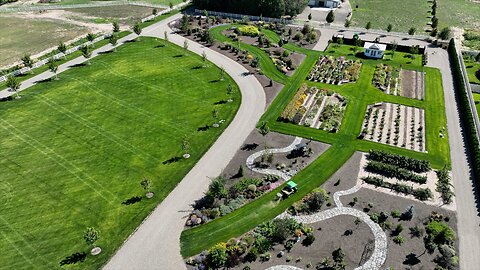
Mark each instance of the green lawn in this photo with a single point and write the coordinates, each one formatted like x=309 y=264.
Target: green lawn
x=60 y=61
x=472 y=39
x=459 y=13
x=476 y=97
x=343 y=144
x=402 y=14
x=74 y=149
x=472 y=67
x=23 y=35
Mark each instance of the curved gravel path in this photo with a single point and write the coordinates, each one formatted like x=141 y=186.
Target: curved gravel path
x=379 y=254
x=156 y=243
x=282 y=174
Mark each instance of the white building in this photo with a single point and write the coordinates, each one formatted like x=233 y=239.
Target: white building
x=324 y=3
x=374 y=50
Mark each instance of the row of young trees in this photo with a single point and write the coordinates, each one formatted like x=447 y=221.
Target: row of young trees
x=14 y=83
x=267 y=8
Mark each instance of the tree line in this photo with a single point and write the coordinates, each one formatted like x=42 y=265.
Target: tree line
x=267 y=8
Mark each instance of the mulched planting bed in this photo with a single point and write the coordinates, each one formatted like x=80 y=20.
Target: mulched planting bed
x=396 y=125
x=412 y=84
x=317 y=108
x=285 y=60
x=329 y=235
x=397 y=254
x=206 y=210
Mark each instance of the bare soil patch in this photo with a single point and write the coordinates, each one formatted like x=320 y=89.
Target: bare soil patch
x=413 y=85
x=397 y=254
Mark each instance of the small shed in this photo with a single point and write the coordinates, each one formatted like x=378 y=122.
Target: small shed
x=374 y=50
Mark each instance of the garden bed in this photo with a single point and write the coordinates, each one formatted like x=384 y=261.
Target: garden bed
x=346 y=232
x=403 y=187
x=338 y=71
x=386 y=78
x=236 y=179
x=397 y=254
x=395 y=125
x=316 y=108
x=286 y=61
x=412 y=84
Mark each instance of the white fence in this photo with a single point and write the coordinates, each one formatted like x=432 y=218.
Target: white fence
x=241 y=16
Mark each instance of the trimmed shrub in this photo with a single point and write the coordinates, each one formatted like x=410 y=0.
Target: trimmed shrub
x=418 y=166
x=393 y=171
x=248 y=30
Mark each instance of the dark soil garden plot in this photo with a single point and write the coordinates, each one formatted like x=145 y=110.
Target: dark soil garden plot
x=329 y=235
x=256 y=142
x=397 y=254
x=413 y=85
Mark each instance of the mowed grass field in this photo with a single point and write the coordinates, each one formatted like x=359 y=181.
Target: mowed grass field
x=402 y=14
x=459 y=13
x=123 y=14
x=75 y=150
x=20 y=36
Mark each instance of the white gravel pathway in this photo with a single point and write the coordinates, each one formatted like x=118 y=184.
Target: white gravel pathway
x=282 y=174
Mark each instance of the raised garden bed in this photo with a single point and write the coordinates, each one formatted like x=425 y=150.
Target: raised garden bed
x=316 y=108
x=396 y=125
x=336 y=71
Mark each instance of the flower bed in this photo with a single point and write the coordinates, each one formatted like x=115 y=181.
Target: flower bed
x=317 y=108
x=386 y=78
x=335 y=70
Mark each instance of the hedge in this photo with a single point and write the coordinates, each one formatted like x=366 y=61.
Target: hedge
x=421 y=194
x=418 y=166
x=393 y=171
x=466 y=115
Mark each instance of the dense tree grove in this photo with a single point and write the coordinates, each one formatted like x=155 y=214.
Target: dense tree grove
x=267 y=8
